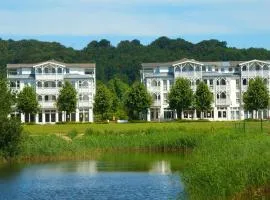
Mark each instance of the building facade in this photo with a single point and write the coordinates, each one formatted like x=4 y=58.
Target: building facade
x=47 y=78
x=226 y=80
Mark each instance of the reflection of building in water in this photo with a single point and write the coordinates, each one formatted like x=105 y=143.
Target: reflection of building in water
x=89 y=167
x=161 y=167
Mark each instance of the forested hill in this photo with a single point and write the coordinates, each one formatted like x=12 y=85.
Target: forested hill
x=124 y=60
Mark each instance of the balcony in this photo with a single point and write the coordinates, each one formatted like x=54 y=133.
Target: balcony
x=87 y=104
x=223 y=102
x=49 y=76
x=49 y=90
x=47 y=104
x=156 y=103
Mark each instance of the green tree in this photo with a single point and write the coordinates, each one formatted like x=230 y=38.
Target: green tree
x=67 y=99
x=10 y=129
x=103 y=101
x=181 y=96
x=203 y=98
x=256 y=97
x=27 y=101
x=6 y=99
x=137 y=100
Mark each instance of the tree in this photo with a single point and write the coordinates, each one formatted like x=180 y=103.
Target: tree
x=137 y=100
x=67 y=99
x=103 y=101
x=180 y=96
x=256 y=97
x=7 y=99
x=10 y=129
x=203 y=98
x=27 y=101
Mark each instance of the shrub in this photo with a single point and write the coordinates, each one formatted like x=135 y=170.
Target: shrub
x=72 y=134
x=10 y=137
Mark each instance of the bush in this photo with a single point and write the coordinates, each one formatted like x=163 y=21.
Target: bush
x=10 y=137
x=72 y=134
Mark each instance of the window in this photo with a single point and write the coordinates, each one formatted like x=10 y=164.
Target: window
x=46 y=70
x=198 y=69
x=237 y=84
x=53 y=71
x=244 y=81
x=154 y=83
x=211 y=81
x=59 y=70
x=39 y=84
x=222 y=69
x=223 y=95
x=257 y=68
x=53 y=84
x=89 y=71
x=59 y=84
x=217 y=82
x=165 y=85
x=177 y=69
x=223 y=82
x=67 y=70
x=244 y=68
x=165 y=97
x=209 y=68
x=53 y=98
x=205 y=81
x=203 y=68
x=219 y=114
x=224 y=114
x=46 y=98
x=39 y=70
x=85 y=98
x=39 y=98
x=230 y=69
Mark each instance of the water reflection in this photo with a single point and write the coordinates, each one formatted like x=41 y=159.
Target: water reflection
x=162 y=167
x=119 y=176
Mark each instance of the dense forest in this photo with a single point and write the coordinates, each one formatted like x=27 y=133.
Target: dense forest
x=123 y=61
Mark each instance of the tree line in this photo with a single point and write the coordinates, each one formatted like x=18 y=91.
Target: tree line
x=124 y=60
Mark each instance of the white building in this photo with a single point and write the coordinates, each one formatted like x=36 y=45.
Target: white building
x=226 y=80
x=47 y=78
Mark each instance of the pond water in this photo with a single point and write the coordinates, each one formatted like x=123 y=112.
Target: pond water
x=111 y=176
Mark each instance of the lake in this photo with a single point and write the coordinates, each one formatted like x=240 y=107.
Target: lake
x=110 y=176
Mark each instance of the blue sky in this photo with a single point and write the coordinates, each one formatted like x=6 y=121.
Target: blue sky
x=242 y=23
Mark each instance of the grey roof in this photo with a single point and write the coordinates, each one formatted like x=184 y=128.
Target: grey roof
x=79 y=65
x=214 y=63
x=21 y=76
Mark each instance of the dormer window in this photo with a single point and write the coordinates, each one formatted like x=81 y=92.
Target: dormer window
x=59 y=70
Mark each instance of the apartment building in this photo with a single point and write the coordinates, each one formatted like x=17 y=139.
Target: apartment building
x=47 y=78
x=226 y=80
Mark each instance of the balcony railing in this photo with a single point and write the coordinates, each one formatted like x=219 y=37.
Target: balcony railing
x=156 y=103
x=223 y=102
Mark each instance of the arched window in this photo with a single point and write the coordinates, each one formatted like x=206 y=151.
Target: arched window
x=158 y=83
x=59 y=70
x=223 y=95
x=39 y=84
x=198 y=69
x=46 y=70
x=46 y=84
x=244 y=81
x=46 y=98
x=154 y=96
x=59 y=84
x=257 y=67
x=53 y=84
x=85 y=84
x=217 y=82
x=39 y=98
x=265 y=67
x=177 y=69
x=158 y=97
x=217 y=96
x=190 y=68
x=222 y=82
x=184 y=69
x=53 y=71
x=39 y=70
x=85 y=98
x=154 y=83
x=244 y=68
x=53 y=98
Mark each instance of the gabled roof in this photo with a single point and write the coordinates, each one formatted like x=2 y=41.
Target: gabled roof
x=252 y=61
x=30 y=65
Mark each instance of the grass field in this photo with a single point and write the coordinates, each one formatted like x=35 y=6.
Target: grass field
x=227 y=159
